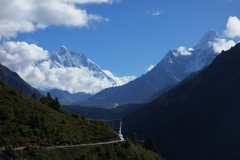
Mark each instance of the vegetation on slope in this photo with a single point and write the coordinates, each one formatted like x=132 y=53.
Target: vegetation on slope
x=25 y=120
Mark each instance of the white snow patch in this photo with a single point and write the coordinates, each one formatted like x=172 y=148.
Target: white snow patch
x=150 y=68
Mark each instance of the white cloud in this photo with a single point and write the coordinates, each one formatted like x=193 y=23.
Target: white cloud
x=150 y=68
x=27 y=16
x=90 y=1
x=19 y=55
x=70 y=79
x=156 y=13
x=232 y=27
x=222 y=45
x=232 y=31
x=190 y=49
x=183 y=51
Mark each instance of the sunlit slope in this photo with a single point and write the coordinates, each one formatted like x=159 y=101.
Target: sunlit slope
x=24 y=119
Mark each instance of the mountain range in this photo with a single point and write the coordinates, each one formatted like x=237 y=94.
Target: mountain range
x=199 y=118
x=68 y=73
x=191 y=101
x=172 y=69
x=73 y=77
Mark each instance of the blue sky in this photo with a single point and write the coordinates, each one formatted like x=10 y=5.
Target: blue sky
x=123 y=36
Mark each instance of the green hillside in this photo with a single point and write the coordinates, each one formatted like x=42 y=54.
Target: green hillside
x=24 y=119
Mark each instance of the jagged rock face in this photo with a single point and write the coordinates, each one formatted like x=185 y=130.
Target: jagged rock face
x=183 y=62
x=64 y=58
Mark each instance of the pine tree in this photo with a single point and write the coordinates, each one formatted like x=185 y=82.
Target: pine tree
x=134 y=137
x=34 y=96
x=56 y=105
x=150 y=145
x=49 y=96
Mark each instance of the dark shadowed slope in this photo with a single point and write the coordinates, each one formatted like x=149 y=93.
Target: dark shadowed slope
x=198 y=119
x=13 y=79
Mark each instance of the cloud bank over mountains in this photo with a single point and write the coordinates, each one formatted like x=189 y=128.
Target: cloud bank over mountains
x=70 y=79
x=22 y=57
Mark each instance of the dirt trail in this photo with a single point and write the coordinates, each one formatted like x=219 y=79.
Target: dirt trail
x=79 y=145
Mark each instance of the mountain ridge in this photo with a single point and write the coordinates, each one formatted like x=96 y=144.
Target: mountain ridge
x=14 y=80
x=174 y=67
x=65 y=97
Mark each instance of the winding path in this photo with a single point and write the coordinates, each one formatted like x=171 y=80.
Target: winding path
x=79 y=145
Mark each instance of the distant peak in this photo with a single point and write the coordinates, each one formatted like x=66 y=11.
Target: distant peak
x=210 y=35
x=63 y=48
x=62 y=51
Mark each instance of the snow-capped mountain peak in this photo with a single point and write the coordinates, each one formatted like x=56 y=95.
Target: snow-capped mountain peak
x=208 y=37
x=182 y=61
x=63 y=50
x=82 y=70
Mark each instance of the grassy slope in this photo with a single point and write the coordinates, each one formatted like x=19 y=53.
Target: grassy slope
x=24 y=119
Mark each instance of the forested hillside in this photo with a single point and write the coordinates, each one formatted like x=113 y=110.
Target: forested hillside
x=30 y=123
x=25 y=119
